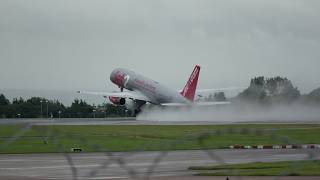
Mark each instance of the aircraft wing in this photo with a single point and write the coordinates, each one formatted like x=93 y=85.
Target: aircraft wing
x=196 y=104
x=212 y=103
x=126 y=94
x=219 y=89
x=175 y=104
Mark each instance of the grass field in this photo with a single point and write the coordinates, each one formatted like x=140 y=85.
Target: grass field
x=43 y=139
x=285 y=168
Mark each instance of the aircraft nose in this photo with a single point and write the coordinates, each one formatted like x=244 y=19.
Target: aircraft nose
x=117 y=77
x=113 y=76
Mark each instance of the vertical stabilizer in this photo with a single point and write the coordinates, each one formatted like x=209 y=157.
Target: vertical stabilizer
x=191 y=86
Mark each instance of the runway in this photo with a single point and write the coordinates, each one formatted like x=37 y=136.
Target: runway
x=134 y=164
x=133 y=121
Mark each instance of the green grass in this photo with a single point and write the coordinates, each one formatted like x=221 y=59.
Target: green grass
x=285 y=168
x=150 y=137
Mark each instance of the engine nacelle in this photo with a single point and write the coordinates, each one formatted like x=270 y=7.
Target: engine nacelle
x=128 y=103
x=122 y=101
x=114 y=100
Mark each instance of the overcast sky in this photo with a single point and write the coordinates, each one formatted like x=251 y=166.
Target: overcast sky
x=73 y=44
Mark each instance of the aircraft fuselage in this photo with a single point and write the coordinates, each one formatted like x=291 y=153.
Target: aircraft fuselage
x=157 y=93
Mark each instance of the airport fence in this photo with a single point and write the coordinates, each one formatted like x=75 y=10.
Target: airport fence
x=54 y=137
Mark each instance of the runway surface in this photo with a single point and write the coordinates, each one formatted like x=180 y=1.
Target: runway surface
x=134 y=164
x=133 y=121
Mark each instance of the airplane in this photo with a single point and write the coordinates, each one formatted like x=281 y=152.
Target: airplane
x=142 y=90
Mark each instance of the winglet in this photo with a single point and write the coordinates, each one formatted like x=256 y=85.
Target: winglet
x=191 y=86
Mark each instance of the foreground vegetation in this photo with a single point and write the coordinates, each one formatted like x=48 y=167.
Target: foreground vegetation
x=43 y=139
x=285 y=168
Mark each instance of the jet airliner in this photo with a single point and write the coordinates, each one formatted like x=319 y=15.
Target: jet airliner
x=142 y=90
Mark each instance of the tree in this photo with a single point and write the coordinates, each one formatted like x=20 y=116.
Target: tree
x=3 y=100
x=315 y=95
x=219 y=96
x=281 y=90
x=268 y=91
x=80 y=109
x=4 y=103
x=313 y=98
x=255 y=92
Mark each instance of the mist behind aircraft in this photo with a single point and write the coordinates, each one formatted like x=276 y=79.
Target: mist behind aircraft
x=236 y=113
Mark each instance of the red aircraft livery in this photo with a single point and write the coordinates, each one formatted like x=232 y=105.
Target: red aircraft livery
x=142 y=90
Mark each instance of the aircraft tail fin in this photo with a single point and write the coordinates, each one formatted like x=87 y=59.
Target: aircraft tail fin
x=191 y=86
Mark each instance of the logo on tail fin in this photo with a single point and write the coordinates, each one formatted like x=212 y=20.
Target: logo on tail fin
x=191 y=86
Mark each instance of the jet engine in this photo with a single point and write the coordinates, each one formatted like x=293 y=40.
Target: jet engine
x=128 y=103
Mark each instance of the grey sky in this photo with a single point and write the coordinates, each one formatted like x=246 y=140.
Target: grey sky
x=73 y=44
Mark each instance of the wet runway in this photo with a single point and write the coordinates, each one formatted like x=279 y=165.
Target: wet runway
x=132 y=121
x=134 y=165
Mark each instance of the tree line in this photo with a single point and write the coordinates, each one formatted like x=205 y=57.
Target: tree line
x=275 y=91
x=37 y=107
